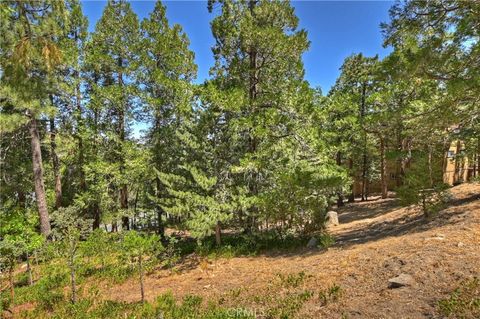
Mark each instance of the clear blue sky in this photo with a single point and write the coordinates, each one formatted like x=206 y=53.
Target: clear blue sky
x=336 y=29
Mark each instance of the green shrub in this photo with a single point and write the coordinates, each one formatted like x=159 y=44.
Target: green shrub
x=49 y=289
x=464 y=302
x=331 y=294
x=326 y=240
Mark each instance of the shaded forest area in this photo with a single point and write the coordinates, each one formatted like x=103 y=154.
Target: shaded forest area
x=253 y=158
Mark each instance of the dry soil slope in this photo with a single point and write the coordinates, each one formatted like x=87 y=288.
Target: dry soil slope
x=377 y=240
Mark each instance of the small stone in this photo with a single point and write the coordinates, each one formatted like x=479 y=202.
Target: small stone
x=400 y=281
x=312 y=243
x=331 y=219
x=460 y=244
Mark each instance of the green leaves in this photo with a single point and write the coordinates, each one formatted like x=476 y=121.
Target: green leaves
x=135 y=244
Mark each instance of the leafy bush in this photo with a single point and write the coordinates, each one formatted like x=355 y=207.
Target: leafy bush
x=250 y=244
x=464 y=302
x=48 y=290
x=326 y=240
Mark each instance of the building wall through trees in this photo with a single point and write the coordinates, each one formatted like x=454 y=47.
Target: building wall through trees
x=456 y=169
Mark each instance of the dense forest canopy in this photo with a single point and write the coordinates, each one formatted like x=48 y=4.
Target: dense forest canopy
x=254 y=148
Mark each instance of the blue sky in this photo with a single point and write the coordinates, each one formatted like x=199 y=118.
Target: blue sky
x=336 y=29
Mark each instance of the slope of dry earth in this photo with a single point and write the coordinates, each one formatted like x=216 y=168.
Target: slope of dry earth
x=376 y=240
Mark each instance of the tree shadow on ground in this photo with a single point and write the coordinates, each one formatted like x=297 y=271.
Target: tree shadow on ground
x=413 y=222
x=368 y=209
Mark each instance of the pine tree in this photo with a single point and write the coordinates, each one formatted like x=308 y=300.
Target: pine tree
x=112 y=57
x=166 y=69
x=258 y=52
x=30 y=53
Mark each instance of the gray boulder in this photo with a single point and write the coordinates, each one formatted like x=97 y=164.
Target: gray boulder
x=312 y=243
x=401 y=280
x=331 y=219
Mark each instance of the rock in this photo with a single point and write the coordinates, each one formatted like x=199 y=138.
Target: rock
x=312 y=243
x=460 y=244
x=401 y=281
x=331 y=219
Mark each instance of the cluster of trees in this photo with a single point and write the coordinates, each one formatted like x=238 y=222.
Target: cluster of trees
x=253 y=147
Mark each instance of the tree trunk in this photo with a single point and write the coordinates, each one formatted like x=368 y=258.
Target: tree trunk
x=38 y=179
x=96 y=205
x=73 y=281
x=12 y=284
x=160 y=212
x=55 y=164
x=430 y=168
x=80 y=126
x=121 y=136
x=218 y=234
x=339 y=194
x=96 y=216
x=351 y=196
x=140 y=268
x=383 y=168
x=29 y=271
x=365 y=162
x=253 y=141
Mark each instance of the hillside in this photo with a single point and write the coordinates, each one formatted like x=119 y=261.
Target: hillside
x=376 y=240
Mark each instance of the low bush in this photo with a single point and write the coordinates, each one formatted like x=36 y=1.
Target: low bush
x=464 y=302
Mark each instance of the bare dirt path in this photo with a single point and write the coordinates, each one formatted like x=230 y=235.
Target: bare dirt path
x=376 y=240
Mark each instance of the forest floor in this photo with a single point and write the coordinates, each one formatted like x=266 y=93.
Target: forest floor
x=375 y=241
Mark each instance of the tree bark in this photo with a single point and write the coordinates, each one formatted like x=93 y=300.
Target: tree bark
x=218 y=234
x=38 y=179
x=160 y=212
x=351 y=196
x=121 y=136
x=29 y=270
x=383 y=168
x=55 y=164
x=142 y=289
x=339 y=194
x=253 y=141
x=73 y=283
x=12 y=284
x=80 y=126
x=365 y=162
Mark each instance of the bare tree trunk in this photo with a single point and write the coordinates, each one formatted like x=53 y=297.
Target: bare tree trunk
x=80 y=125
x=121 y=135
x=38 y=179
x=365 y=162
x=478 y=156
x=160 y=212
x=430 y=168
x=12 y=284
x=253 y=141
x=351 y=196
x=456 y=176
x=29 y=271
x=383 y=168
x=142 y=288
x=218 y=234
x=55 y=164
x=339 y=194
x=73 y=281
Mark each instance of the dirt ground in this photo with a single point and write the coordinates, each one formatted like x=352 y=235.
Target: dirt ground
x=375 y=241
